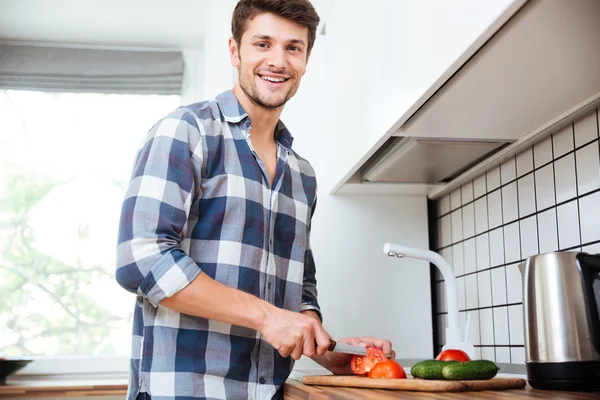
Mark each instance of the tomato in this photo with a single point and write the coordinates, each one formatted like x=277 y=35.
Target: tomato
x=361 y=365
x=452 y=354
x=389 y=369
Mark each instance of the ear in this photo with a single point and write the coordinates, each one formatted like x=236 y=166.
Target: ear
x=234 y=52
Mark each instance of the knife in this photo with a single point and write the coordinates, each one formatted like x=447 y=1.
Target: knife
x=348 y=349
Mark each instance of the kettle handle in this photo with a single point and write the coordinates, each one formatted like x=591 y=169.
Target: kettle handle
x=590 y=272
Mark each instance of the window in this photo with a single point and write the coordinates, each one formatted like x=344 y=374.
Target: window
x=65 y=160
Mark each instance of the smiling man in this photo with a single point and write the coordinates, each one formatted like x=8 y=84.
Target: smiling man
x=214 y=236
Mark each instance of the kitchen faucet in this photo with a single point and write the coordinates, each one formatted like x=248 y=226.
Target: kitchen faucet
x=453 y=331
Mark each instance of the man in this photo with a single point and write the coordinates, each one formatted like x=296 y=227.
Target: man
x=215 y=230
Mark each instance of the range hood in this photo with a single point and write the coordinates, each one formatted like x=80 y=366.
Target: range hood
x=427 y=160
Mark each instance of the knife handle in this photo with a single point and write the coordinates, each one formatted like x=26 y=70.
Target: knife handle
x=332 y=344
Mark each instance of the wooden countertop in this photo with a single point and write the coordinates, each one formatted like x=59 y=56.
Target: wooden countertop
x=295 y=390
x=20 y=389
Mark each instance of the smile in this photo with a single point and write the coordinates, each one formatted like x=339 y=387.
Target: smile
x=273 y=78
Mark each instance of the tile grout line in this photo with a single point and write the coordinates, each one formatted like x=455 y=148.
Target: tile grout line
x=576 y=190
x=490 y=261
x=484 y=308
x=555 y=198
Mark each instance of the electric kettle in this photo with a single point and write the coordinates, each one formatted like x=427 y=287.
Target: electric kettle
x=561 y=295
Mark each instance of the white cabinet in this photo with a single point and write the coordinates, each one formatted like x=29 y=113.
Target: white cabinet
x=534 y=66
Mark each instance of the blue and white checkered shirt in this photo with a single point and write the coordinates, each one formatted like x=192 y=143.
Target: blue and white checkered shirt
x=200 y=200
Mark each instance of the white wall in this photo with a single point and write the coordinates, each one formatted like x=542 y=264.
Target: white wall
x=386 y=55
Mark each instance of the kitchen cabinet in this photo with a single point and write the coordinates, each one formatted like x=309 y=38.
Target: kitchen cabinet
x=533 y=71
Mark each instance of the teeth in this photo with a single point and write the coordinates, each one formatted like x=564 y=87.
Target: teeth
x=272 y=79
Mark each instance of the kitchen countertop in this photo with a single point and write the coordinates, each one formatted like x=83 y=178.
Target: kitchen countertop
x=49 y=387
x=295 y=390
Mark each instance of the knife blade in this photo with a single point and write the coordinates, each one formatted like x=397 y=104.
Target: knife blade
x=348 y=349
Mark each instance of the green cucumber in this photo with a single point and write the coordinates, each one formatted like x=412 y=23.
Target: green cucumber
x=470 y=370
x=429 y=369
x=414 y=370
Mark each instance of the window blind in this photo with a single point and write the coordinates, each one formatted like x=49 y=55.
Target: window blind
x=63 y=69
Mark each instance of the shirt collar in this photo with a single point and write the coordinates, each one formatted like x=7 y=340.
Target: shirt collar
x=233 y=112
x=230 y=107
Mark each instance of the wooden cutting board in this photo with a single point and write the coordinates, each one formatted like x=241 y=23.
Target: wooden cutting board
x=420 y=385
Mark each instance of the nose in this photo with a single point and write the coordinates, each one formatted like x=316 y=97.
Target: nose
x=277 y=58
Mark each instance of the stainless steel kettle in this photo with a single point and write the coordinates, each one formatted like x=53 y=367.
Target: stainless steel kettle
x=561 y=295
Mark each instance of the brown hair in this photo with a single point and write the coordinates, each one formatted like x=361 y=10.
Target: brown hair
x=299 y=11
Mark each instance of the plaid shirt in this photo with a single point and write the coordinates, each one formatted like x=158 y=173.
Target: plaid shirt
x=200 y=200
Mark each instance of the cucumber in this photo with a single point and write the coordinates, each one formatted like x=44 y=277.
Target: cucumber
x=470 y=370
x=414 y=370
x=429 y=369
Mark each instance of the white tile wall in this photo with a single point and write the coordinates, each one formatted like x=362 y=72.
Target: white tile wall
x=544 y=187
x=483 y=251
x=508 y=171
x=510 y=207
x=590 y=221
x=458 y=259
x=544 y=199
x=588 y=168
x=493 y=179
x=586 y=129
x=495 y=209
x=562 y=141
x=468 y=214
x=524 y=162
x=481 y=212
x=526 y=195
x=497 y=247
x=542 y=152
x=498 y=286
x=501 y=326
x=484 y=288
x=467 y=193
x=548 y=231
x=564 y=175
x=568 y=225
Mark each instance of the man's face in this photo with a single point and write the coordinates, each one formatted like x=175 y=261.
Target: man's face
x=271 y=59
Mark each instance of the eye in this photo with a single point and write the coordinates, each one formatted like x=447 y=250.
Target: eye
x=294 y=48
x=262 y=45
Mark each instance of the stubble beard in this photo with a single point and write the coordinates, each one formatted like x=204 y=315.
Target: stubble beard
x=250 y=89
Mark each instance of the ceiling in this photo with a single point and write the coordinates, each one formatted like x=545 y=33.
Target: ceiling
x=178 y=24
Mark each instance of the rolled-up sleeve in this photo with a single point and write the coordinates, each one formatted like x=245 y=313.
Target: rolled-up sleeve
x=309 y=283
x=150 y=259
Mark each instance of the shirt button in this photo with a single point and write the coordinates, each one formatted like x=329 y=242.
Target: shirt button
x=262 y=380
x=247 y=124
x=269 y=285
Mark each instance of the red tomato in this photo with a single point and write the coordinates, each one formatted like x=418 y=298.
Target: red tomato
x=452 y=354
x=389 y=369
x=361 y=365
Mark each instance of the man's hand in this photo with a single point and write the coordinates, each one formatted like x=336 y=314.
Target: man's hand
x=339 y=363
x=294 y=334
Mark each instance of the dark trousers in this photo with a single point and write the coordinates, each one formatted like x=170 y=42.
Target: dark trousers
x=143 y=396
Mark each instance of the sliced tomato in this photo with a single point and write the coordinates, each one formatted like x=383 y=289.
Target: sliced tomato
x=389 y=369
x=361 y=365
x=453 y=355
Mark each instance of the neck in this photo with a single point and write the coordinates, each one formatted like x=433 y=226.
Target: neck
x=264 y=120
